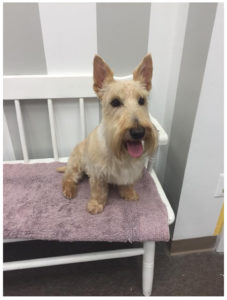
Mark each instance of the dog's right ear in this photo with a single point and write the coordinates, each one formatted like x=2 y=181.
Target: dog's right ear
x=102 y=74
x=143 y=72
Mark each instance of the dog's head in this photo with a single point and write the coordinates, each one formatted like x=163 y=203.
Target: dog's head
x=127 y=126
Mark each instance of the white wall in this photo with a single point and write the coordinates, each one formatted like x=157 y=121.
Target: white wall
x=198 y=209
x=22 y=39
x=166 y=40
x=69 y=36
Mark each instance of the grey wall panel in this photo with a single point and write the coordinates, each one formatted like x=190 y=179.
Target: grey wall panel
x=23 y=44
x=196 y=46
x=122 y=33
x=11 y=119
x=37 y=128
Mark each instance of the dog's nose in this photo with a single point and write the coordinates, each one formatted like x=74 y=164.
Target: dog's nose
x=137 y=133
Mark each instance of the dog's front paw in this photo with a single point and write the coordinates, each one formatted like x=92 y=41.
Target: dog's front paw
x=69 y=189
x=131 y=196
x=128 y=193
x=93 y=207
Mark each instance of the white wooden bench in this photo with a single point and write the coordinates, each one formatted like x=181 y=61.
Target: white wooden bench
x=50 y=88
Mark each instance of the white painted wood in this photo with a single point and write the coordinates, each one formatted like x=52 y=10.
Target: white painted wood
x=151 y=161
x=162 y=135
x=6 y=241
x=21 y=130
x=37 y=161
x=47 y=86
x=52 y=128
x=171 y=216
x=8 y=152
x=69 y=36
x=100 y=112
x=148 y=267
x=149 y=164
x=69 y=259
x=82 y=119
x=126 y=77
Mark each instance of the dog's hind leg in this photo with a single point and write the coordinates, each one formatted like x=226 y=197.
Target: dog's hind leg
x=61 y=169
x=73 y=172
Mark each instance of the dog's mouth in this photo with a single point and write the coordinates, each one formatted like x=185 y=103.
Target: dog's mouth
x=134 y=148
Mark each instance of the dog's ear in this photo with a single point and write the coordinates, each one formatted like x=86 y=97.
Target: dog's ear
x=143 y=72
x=102 y=74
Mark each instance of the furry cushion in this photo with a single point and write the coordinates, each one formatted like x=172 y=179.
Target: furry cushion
x=34 y=208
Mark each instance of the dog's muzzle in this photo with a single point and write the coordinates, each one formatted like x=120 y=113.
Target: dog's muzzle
x=134 y=146
x=137 y=133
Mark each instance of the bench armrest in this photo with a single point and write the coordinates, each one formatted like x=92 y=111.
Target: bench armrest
x=162 y=135
x=171 y=216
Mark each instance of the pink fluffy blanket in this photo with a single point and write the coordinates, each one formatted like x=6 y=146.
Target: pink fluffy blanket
x=34 y=208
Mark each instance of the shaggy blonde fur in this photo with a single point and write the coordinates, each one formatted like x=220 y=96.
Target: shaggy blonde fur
x=103 y=155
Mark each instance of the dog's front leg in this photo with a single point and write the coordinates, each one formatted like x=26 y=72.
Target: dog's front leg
x=127 y=192
x=99 y=193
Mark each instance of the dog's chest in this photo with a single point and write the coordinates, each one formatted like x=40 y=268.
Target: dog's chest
x=126 y=174
x=115 y=171
x=122 y=173
x=110 y=169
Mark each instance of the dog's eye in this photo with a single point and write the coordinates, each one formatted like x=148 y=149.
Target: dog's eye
x=141 y=101
x=116 y=102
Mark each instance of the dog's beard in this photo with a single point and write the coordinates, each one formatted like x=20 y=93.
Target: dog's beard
x=151 y=140
x=116 y=142
x=121 y=146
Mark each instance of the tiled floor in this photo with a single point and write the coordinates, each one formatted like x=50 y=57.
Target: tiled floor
x=199 y=274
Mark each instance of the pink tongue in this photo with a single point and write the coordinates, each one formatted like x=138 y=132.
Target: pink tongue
x=135 y=149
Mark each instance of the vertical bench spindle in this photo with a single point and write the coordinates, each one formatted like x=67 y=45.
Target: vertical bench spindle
x=21 y=130
x=52 y=128
x=82 y=118
x=100 y=111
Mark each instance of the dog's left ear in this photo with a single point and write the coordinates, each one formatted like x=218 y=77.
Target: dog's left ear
x=143 y=72
x=102 y=74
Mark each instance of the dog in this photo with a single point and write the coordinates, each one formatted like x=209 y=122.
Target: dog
x=115 y=151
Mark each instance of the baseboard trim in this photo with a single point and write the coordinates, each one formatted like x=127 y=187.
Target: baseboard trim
x=186 y=246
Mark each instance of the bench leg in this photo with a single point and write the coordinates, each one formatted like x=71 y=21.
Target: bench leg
x=148 y=267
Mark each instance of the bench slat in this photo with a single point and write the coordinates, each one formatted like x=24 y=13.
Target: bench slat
x=52 y=128
x=21 y=130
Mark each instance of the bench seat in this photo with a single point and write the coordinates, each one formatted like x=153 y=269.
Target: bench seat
x=34 y=208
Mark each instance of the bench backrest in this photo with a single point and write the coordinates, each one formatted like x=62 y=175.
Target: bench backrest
x=50 y=88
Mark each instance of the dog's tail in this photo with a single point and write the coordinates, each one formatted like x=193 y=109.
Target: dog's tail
x=61 y=169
